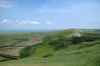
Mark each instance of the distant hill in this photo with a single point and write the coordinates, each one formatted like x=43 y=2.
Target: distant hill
x=92 y=30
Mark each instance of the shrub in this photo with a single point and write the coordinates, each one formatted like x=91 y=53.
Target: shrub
x=9 y=56
x=26 y=51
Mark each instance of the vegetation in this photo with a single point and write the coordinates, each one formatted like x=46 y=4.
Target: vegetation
x=62 y=48
x=27 y=51
x=10 y=44
x=8 y=57
x=62 y=39
x=43 y=51
x=13 y=39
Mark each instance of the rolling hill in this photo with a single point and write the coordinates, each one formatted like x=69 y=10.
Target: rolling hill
x=70 y=47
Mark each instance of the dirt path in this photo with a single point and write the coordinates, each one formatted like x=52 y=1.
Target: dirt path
x=76 y=33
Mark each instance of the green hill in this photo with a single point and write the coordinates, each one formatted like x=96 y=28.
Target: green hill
x=62 y=48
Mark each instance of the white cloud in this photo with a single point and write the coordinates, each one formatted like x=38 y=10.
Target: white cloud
x=49 y=22
x=23 y=22
x=6 y=21
x=18 y=22
x=6 y=4
x=33 y=22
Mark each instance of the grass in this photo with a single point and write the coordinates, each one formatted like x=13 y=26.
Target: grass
x=15 y=42
x=27 y=51
x=82 y=52
x=43 y=51
x=89 y=56
x=8 y=56
x=13 y=39
x=83 y=45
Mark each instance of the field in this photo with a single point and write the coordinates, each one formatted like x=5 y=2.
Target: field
x=61 y=48
x=11 y=44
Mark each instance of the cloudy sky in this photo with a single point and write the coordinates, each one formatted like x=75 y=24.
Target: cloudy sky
x=49 y=14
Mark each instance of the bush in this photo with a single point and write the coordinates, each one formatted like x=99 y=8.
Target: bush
x=26 y=51
x=76 y=40
x=9 y=56
x=61 y=40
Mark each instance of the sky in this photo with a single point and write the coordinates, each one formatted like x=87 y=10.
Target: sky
x=49 y=14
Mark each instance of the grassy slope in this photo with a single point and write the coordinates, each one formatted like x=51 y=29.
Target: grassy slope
x=42 y=51
x=81 y=54
x=88 y=56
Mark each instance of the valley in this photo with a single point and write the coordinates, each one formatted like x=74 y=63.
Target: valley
x=70 y=47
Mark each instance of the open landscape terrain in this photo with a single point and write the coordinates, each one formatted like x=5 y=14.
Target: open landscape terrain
x=49 y=32
x=12 y=43
x=71 y=47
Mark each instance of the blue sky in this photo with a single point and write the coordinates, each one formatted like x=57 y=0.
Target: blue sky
x=49 y=14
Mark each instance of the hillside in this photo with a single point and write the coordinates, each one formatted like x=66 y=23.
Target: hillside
x=62 y=48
